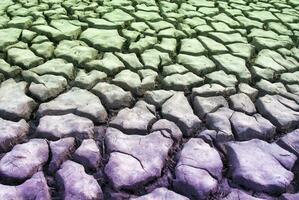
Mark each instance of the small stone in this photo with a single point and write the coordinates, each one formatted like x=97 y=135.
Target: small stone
x=263 y=73
x=147 y=16
x=148 y=83
x=248 y=90
x=68 y=29
x=174 y=69
x=270 y=173
x=130 y=60
x=153 y=58
x=12 y=133
x=205 y=105
x=88 y=154
x=142 y=44
x=279 y=114
x=101 y=23
x=290 y=142
x=196 y=64
x=220 y=77
x=290 y=78
x=24 y=160
x=76 y=184
x=19 y=45
x=157 y=97
x=45 y=49
x=9 y=36
x=113 y=97
x=213 y=46
x=181 y=82
x=103 y=39
x=204 y=29
x=128 y=80
x=8 y=70
x=46 y=86
x=167 y=45
x=14 y=104
x=160 y=25
x=28 y=35
x=233 y=64
x=57 y=67
x=191 y=47
x=272 y=60
x=146 y=154
x=135 y=120
x=69 y=125
x=51 y=32
x=178 y=110
x=226 y=19
x=219 y=121
x=242 y=49
x=263 y=16
x=222 y=27
x=109 y=64
x=198 y=169
x=172 y=128
x=228 y=38
x=118 y=16
x=293 y=88
x=249 y=127
x=263 y=33
x=213 y=89
x=208 y=136
x=34 y=188
x=268 y=43
x=241 y=102
x=172 y=33
x=75 y=51
x=280 y=28
x=24 y=58
x=270 y=88
x=39 y=39
x=89 y=105
x=87 y=80
x=61 y=151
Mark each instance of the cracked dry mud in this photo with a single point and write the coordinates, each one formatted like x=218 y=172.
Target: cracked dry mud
x=149 y=99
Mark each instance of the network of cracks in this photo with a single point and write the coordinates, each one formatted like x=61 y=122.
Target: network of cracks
x=149 y=99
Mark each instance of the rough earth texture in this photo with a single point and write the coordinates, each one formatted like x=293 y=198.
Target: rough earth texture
x=149 y=99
